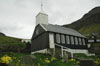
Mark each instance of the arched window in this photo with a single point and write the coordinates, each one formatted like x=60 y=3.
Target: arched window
x=67 y=39
x=57 y=38
x=62 y=39
x=72 y=40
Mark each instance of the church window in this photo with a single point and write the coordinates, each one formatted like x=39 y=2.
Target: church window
x=37 y=31
x=80 y=41
x=58 y=38
x=62 y=39
x=72 y=40
x=76 y=40
x=67 y=39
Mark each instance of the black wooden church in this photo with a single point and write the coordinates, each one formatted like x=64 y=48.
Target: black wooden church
x=47 y=36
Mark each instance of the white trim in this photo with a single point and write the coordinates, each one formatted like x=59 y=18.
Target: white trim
x=51 y=40
x=40 y=51
x=43 y=27
x=41 y=13
x=62 y=51
x=63 y=46
x=72 y=51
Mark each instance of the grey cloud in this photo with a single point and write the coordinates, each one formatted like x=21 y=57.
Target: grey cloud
x=17 y=17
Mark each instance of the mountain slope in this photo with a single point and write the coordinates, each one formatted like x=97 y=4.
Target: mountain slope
x=2 y=34
x=89 y=23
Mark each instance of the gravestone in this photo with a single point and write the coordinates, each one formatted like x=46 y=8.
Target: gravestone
x=29 y=59
x=86 y=62
x=65 y=57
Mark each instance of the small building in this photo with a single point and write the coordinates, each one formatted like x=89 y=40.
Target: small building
x=94 y=38
x=47 y=36
x=94 y=41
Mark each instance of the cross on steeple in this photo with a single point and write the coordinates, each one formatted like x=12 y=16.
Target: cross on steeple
x=41 y=5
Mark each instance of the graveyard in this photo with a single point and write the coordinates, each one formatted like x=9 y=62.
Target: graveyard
x=74 y=44
x=38 y=59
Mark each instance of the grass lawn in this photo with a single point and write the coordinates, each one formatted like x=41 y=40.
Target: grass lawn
x=45 y=59
x=41 y=60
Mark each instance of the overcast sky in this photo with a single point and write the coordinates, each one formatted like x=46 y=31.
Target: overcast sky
x=17 y=17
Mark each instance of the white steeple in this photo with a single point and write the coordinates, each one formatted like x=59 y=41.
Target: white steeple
x=42 y=17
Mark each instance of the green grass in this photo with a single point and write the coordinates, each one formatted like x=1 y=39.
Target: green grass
x=40 y=60
x=10 y=40
x=80 y=55
x=14 y=54
x=15 y=62
x=84 y=56
x=42 y=57
x=58 y=62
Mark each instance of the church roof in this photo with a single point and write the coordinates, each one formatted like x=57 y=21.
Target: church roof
x=42 y=12
x=60 y=29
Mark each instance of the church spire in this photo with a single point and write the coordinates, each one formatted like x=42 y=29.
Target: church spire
x=42 y=17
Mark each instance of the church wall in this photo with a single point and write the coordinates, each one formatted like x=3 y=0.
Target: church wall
x=40 y=42
x=38 y=30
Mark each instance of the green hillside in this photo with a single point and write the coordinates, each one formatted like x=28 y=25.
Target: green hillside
x=86 y=30
x=89 y=23
x=9 y=40
x=11 y=44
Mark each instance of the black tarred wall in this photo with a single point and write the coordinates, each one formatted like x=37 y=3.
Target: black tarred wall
x=40 y=42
